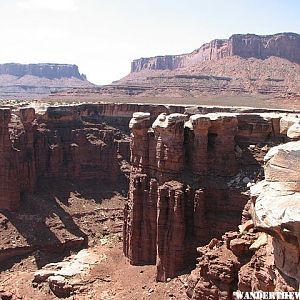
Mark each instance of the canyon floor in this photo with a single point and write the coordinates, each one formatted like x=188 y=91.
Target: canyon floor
x=58 y=221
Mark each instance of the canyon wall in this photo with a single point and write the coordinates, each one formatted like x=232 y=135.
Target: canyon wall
x=284 y=45
x=276 y=209
x=81 y=142
x=179 y=190
x=57 y=144
x=9 y=196
x=264 y=254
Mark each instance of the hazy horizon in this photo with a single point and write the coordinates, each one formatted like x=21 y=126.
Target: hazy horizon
x=103 y=37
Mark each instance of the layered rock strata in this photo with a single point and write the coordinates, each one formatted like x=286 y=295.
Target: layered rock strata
x=79 y=142
x=174 y=204
x=50 y=71
x=54 y=142
x=246 y=68
x=284 y=45
x=33 y=81
x=9 y=196
x=239 y=262
x=59 y=144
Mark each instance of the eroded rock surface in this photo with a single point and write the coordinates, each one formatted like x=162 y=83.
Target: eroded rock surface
x=178 y=190
x=188 y=177
x=80 y=142
x=232 y=263
x=58 y=144
x=263 y=258
x=276 y=206
x=285 y=45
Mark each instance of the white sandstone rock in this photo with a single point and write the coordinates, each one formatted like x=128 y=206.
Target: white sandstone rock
x=164 y=121
x=139 y=117
x=294 y=131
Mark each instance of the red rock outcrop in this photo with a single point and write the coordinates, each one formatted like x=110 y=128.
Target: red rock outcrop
x=234 y=264
x=276 y=206
x=221 y=143
x=264 y=257
x=67 y=147
x=179 y=193
x=80 y=142
x=18 y=170
x=9 y=185
x=173 y=207
x=72 y=142
x=58 y=144
x=168 y=160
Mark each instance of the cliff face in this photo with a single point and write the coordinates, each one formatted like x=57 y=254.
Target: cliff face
x=77 y=143
x=50 y=71
x=64 y=143
x=264 y=254
x=168 y=62
x=9 y=195
x=276 y=206
x=74 y=142
x=179 y=190
x=283 y=45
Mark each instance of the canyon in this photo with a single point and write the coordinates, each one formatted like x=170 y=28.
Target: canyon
x=178 y=181
x=182 y=191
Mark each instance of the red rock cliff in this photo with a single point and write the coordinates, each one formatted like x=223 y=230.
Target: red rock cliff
x=66 y=142
x=180 y=195
x=173 y=206
x=9 y=191
x=284 y=45
x=264 y=254
x=81 y=142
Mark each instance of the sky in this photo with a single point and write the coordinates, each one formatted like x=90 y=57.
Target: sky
x=102 y=37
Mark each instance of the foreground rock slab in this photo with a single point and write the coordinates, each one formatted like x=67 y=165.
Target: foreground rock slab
x=61 y=276
x=277 y=205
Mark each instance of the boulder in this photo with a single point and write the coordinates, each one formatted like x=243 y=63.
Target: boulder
x=294 y=131
x=287 y=121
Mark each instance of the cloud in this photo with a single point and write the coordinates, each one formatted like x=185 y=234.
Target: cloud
x=55 y=5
